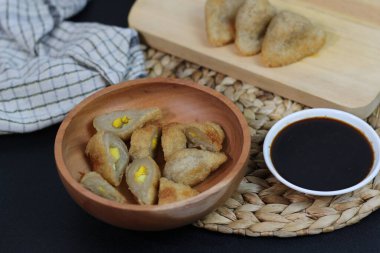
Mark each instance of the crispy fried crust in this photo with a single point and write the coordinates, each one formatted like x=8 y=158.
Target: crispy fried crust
x=252 y=20
x=94 y=182
x=97 y=153
x=170 y=191
x=192 y=166
x=290 y=37
x=220 y=20
x=173 y=139
x=141 y=141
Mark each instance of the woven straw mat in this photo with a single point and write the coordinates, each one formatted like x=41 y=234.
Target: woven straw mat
x=262 y=206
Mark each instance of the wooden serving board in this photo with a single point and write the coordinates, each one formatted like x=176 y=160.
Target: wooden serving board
x=345 y=74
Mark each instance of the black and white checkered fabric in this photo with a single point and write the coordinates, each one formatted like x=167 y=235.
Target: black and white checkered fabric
x=48 y=65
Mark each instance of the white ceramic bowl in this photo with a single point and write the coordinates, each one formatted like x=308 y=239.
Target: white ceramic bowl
x=348 y=118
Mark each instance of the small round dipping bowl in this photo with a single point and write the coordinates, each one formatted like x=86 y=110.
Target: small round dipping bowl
x=345 y=117
x=180 y=101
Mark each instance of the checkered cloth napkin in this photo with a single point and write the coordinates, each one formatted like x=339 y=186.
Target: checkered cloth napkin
x=48 y=65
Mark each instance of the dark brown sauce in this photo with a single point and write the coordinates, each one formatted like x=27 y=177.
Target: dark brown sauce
x=322 y=154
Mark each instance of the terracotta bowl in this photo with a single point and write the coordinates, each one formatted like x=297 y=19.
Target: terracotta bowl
x=180 y=101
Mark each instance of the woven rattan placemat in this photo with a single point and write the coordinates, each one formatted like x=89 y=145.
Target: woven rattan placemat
x=262 y=206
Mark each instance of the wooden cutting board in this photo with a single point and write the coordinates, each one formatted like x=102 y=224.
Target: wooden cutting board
x=345 y=74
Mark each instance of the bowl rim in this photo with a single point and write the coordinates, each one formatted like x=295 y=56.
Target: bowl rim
x=66 y=176
x=346 y=117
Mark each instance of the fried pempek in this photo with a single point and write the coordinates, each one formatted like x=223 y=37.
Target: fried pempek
x=220 y=20
x=252 y=21
x=123 y=123
x=94 y=182
x=142 y=177
x=108 y=155
x=192 y=166
x=144 y=141
x=170 y=191
x=290 y=37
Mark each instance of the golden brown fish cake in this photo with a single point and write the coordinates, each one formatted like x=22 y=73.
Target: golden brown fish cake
x=170 y=191
x=252 y=20
x=208 y=136
x=142 y=177
x=290 y=37
x=144 y=141
x=173 y=139
x=220 y=20
x=95 y=183
x=123 y=123
x=108 y=155
x=192 y=166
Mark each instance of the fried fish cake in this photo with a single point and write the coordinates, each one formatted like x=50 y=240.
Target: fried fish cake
x=208 y=136
x=192 y=166
x=290 y=37
x=123 y=123
x=108 y=155
x=94 y=182
x=220 y=20
x=173 y=139
x=170 y=191
x=142 y=177
x=252 y=21
x=144 y=141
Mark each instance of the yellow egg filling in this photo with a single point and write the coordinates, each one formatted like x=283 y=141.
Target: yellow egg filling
x=154 y=143
x=120 y=122
x=115 y=153
x=125 y=120
x=101 y=189
x=141 y=174
x=117 y=123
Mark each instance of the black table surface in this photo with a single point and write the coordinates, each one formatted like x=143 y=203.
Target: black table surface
x=37 y=215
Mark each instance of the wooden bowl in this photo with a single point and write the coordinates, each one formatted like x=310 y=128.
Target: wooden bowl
x=180 y=101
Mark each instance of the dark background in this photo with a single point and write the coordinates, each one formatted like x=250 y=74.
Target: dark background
x=37 y=215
